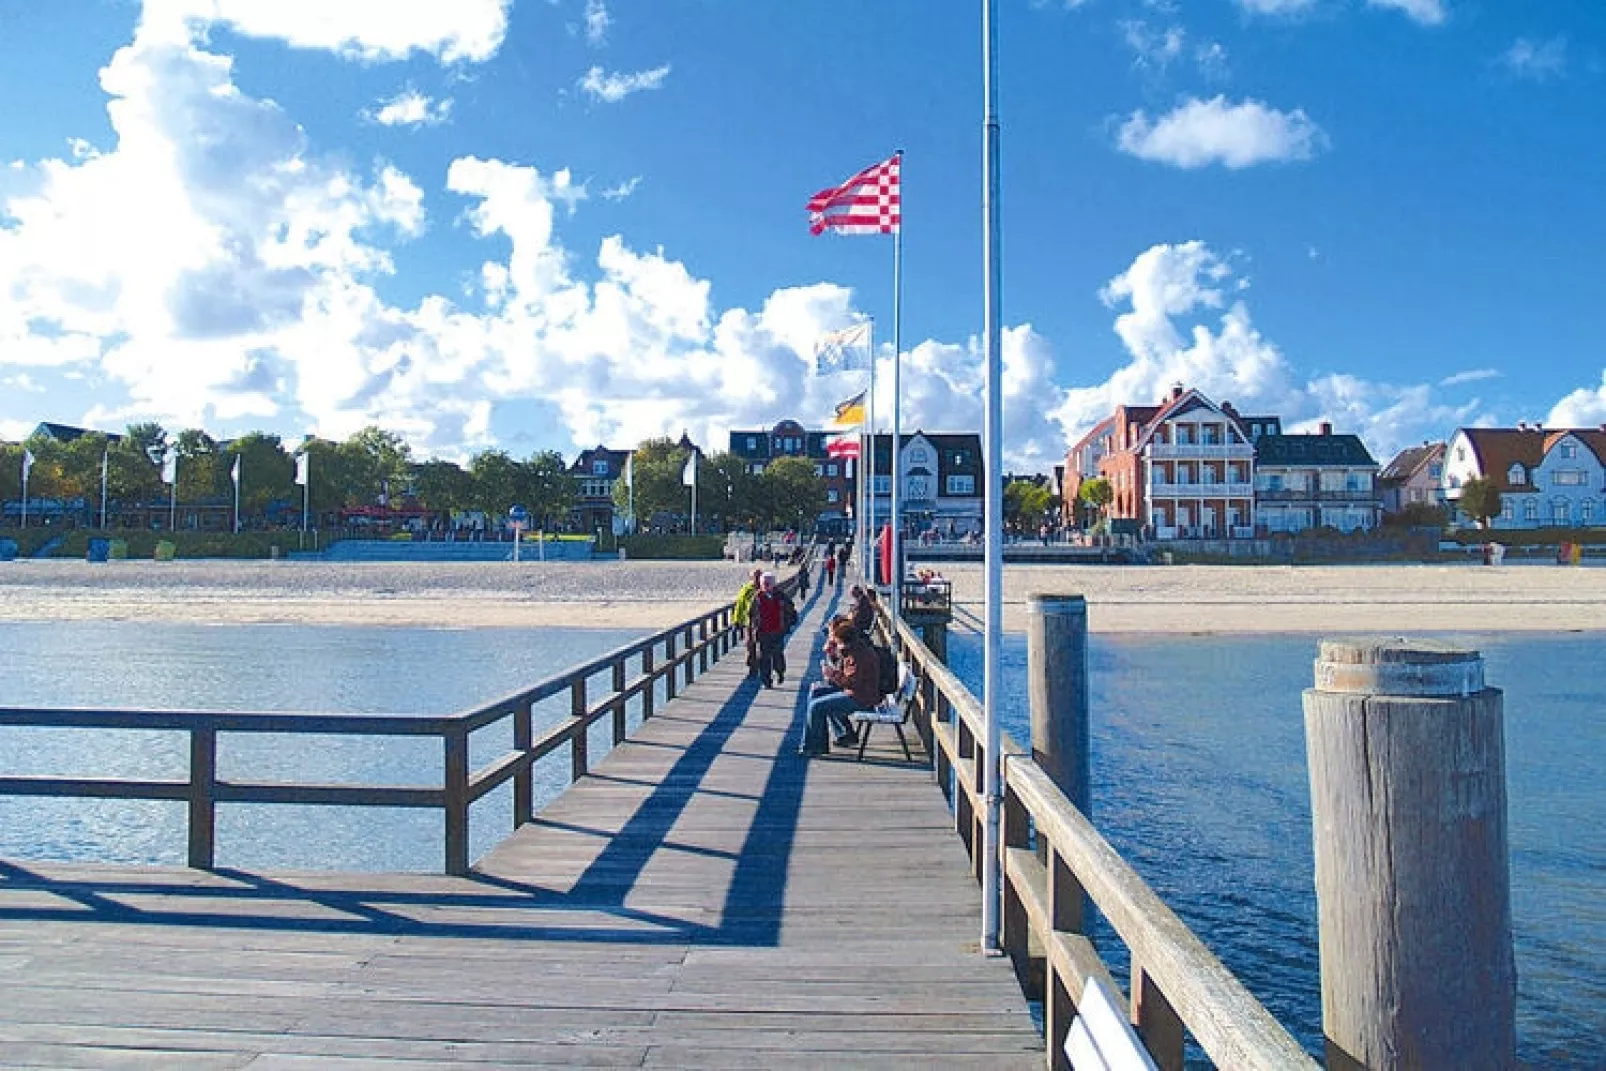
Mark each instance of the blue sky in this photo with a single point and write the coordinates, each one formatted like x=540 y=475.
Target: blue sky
x=548 y=223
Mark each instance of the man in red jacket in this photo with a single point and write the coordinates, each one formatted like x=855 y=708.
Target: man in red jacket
x=770 y=622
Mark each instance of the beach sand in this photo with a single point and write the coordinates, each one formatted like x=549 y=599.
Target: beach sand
x=1157 y=599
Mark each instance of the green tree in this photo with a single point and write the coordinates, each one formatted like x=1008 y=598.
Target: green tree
x=375 y=464
x=548 y=488
x=796 y=495
x=496 y=482
x=728 y=491
x=329 y=477
x=267 y=472
x=1480 y=500
x=10 y=472
x=134 y=467
x=1418 y=515
x=149 y=440
x=1096 y=494
x=200 y=472
x=658 y=464
x=1026 y=504
x=442 y=486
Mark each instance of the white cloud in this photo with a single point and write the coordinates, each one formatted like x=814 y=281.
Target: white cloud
x=410 y=108
x=597 y=21
x=612 y=88
x=1538 y=61
x=1471 y=375
x=462 y=30
x=1583 y=408
x=1427 y=12
x=1153 y=49
x=621 y=190
x=1201 y=132
x=1181 y=322
x=1277 y=7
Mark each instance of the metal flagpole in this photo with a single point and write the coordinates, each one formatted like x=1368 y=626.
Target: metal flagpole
x=105 y=458
x=867 y=563
x=172 y=502
x=27 y=463
x=895 y=536
x=992 y=470
x=236 y=494
x=866 y=461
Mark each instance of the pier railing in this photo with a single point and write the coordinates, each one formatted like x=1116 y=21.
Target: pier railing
x=675 y=656
x=1053 y=861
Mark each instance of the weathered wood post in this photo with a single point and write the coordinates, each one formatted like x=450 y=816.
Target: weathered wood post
x=1408 y=804
x=1056 y=662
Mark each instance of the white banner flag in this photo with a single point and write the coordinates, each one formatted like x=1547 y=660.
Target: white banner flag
x=27 y=463
x=688 y=475
x=170 y=467
x=303 y=465
x=630 y=472
x=235 y=475
x=847 y=350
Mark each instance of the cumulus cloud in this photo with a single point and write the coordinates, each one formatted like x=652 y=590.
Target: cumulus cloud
x=1583 y=408
x=611 y=88
x=1427 y=12
x=410 y=108
x=464 y=30
x=1198 y=133
x=1537 y=61
x=1277 y=7
x=597 y=21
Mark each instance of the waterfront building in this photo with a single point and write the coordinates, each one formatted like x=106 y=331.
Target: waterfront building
x=594 y=473
x=1547 y=477
x=66 y=433
x=1414 y=477
x=1182 y=469
x=757 y=448
x=943 y=483
x=1315 y=481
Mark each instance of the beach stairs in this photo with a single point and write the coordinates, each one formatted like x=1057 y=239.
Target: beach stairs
x=387 y=550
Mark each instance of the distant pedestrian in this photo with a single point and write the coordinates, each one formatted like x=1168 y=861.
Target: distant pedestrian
x=803 y=577
x=830 y=569
x=742 y=618
x=773 y=614
x=843 y=552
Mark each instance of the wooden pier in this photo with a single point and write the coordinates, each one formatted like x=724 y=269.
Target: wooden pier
x=700 y=897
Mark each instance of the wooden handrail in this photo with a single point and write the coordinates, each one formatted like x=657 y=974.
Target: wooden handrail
x=675 y=655
x=1177 y=982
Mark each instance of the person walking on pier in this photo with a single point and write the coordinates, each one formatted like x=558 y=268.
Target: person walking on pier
x=803 y=577
x=830 y=568
x=742 y=618
x=772 y=615
x=855 y=679
x=842 y=554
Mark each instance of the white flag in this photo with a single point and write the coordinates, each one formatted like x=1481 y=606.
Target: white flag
x=27 y=462
x=847 y=350
x=630 y=472
x=303 y=464
x=235 y=475
x=170 y=467
x=688 y=475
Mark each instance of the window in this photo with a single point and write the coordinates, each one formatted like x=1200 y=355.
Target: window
x=1561 y=511
x=831 y=469
x=1506 y=512
x=1207 y=435
x=599 y=468
x=1530 y=510
x=832 y=496
x=1569 y=478
x=1586 y=511
x=1358 y=481
x=1184 y=435
x=752 y=443
x=883 y=484
x=1455 y=481
x=961 y=485
x=1435 y=470
x=1460 y=453
x=1514 y=475
x=917 y=455
x=819 y=470
x=1274 y=483
x=1569 y=450
x=959 y=458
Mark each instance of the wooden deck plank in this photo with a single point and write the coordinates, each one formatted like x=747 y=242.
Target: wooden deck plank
x=706 y=898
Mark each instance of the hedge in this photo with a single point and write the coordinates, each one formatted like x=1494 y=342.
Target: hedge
x=1528 y=537
x=142 y=544
x=673 y=547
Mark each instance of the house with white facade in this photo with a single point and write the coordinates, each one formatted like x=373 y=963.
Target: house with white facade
x=1547 y=477
x=1315 y=481
x=943 y=487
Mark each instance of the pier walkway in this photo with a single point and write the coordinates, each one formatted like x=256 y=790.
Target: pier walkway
x=702 y=898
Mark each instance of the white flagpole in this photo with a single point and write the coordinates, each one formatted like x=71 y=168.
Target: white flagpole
x=27 y=463
x=105 y=459
x=867 y=462
x=867 y=563
x=694 y=492
x=895 y=536
x=172 y=502
x=236 y=475
x=306 y=492
x=993 y=518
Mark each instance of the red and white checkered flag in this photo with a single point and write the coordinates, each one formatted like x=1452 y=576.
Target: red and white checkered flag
x=870 y=202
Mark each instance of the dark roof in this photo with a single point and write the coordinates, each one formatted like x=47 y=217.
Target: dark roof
x=614 y=458
x=1311 y=450
x=1499 y=448
x=66 y=433
x=946 y=444
x=1409 y=462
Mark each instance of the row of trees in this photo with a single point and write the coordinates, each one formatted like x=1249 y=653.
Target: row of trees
x=371 y=467
x=787 y=494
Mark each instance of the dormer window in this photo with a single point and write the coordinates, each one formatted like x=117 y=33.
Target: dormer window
x=599 y=468
x=1515 y=475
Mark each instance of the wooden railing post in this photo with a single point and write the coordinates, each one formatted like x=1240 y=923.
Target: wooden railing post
x=691 y=664
x=1056 y=660
x=1066 y=900
x=649 y=693
x=203 y=798
x=524 y=780
x=578 y=742
x=702 y=646
x=619 y=706
x=1157 y=1022
x=1408 y=800
x=671 y=670
x=456 y=743
x=1015 y=931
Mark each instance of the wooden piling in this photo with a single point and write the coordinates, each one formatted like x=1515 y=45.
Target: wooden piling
x=1408 y=804
x=1056 y=660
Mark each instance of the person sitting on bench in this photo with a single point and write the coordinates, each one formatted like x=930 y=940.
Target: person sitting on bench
x=857 y=674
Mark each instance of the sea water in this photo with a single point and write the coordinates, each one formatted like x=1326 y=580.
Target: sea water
x=1199 y=779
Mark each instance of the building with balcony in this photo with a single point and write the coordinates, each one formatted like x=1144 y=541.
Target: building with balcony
x=1315 y=481
x=1414 y=477
x=594 y=473
x=1183 y=469
x=1547 y=477
x=758 y=449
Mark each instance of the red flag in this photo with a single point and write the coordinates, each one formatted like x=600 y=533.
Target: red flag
x=842 y=446
x=870 y=202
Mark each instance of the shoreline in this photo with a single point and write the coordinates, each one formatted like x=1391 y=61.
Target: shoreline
x=1137 y=600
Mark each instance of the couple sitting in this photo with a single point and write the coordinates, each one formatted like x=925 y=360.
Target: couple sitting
x=852 y=682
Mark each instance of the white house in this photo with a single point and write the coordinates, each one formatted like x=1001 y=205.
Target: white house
x=1546 y=477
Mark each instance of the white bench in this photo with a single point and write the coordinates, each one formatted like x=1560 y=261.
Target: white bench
x=893 y=710
x=1100 y=1038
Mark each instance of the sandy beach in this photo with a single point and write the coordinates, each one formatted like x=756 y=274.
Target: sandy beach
x=1179 y=600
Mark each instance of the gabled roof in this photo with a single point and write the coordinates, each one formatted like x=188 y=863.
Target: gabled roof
x=1189 y=400
x=1497 y=449
x=66 y=433
x=1347 y=450
x=1410 y=461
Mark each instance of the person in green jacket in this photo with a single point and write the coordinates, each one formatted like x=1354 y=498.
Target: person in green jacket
x=742 y=615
